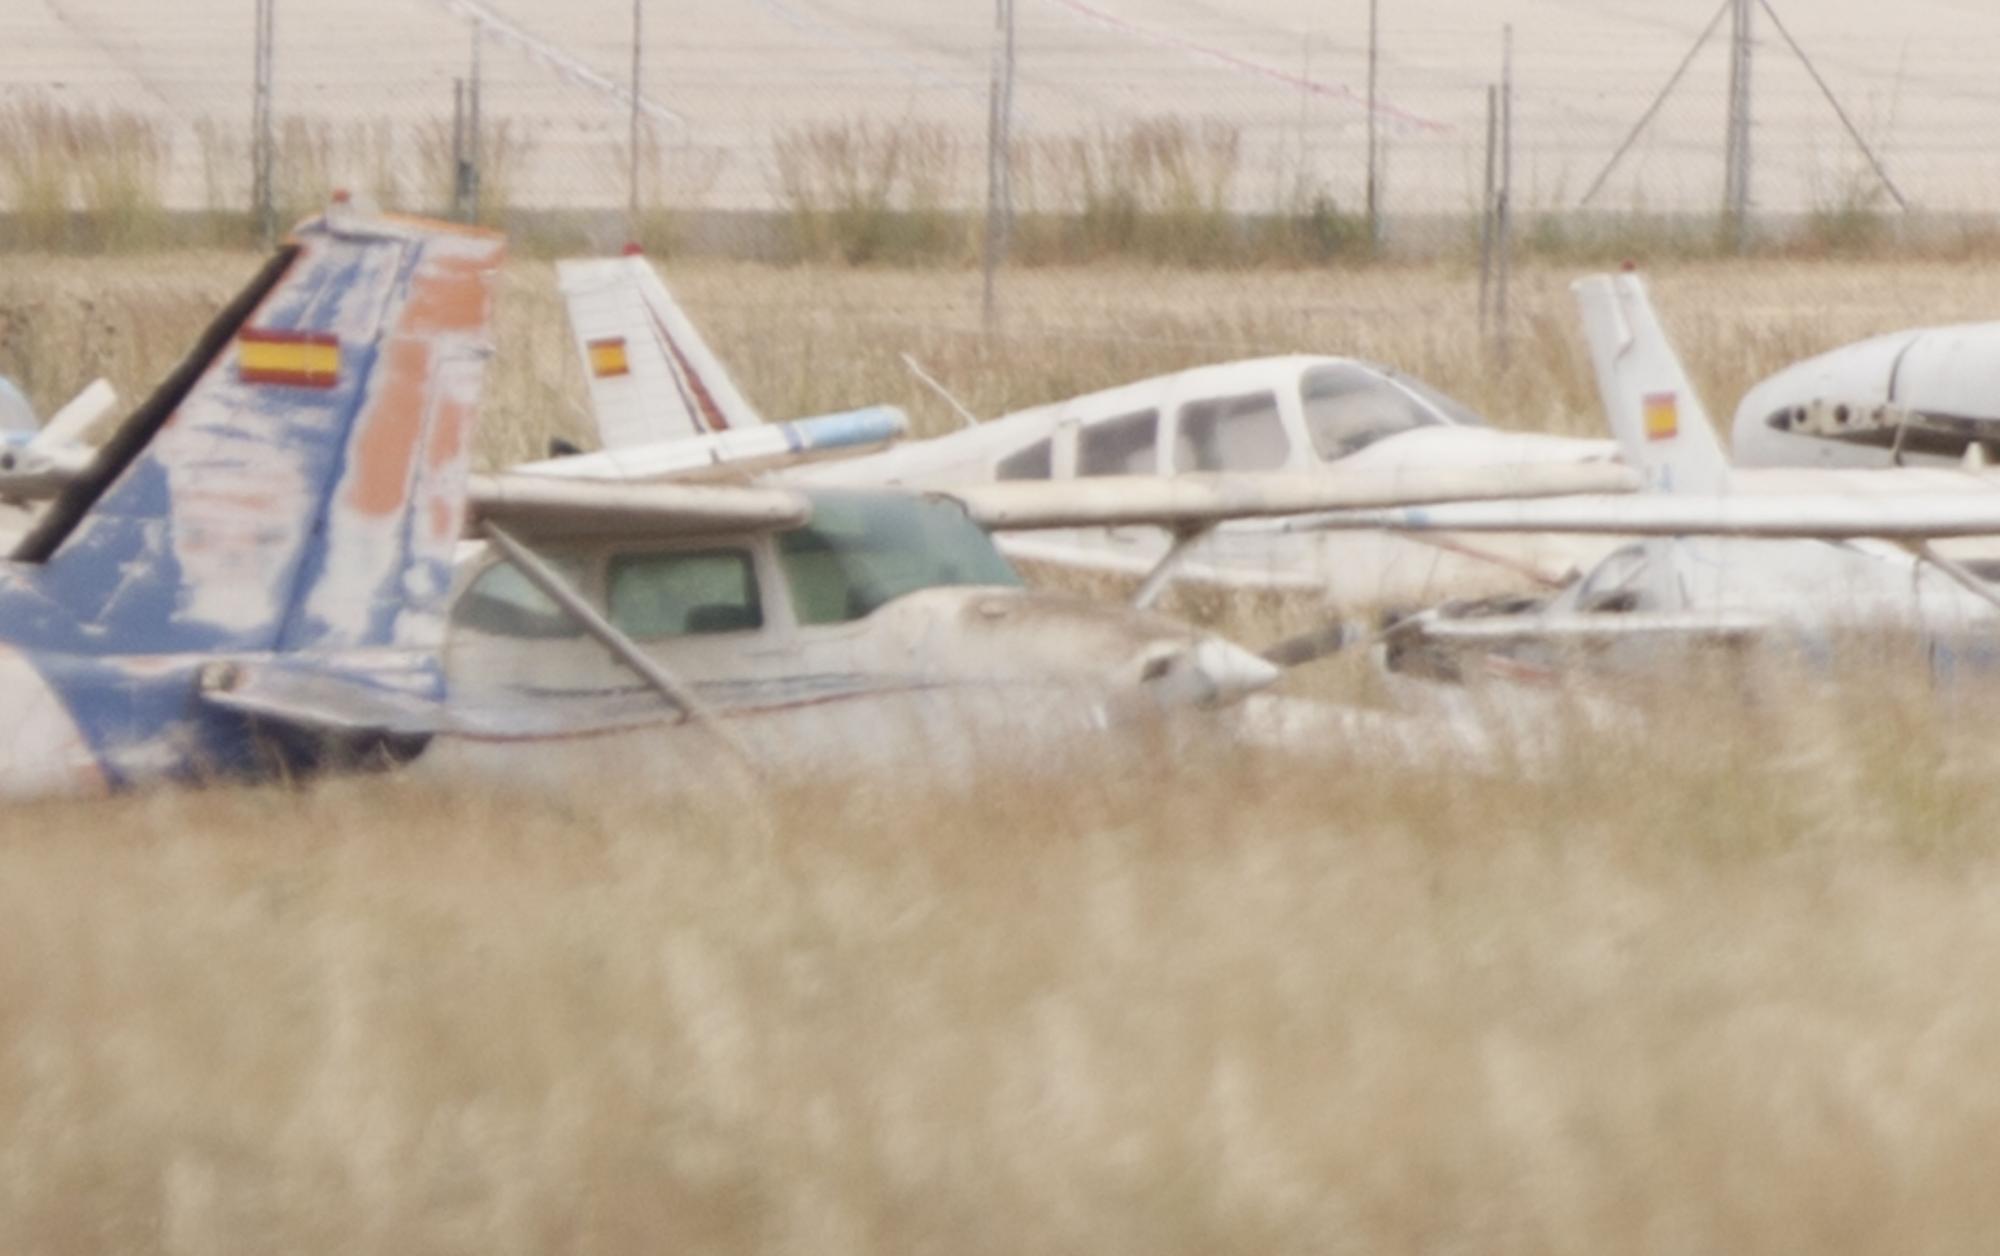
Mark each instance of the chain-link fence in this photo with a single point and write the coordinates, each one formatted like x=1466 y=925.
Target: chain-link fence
x=808 y=116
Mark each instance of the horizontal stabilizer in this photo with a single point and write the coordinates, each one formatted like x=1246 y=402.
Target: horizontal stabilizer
x=543 y=507
x=1824 y=517
x=326 y=698
x=1188 y=501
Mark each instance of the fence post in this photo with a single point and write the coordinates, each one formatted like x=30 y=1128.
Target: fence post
x=1503 y=213
x=999 y=160
x=263 y=146
x=638 y=67
x=1736 y=149
x=1374 y=207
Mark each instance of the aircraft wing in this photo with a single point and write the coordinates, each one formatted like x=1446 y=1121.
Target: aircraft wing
x=345 y=697
x=542 y=506
x=1197 y=501
x=1822 y=516
x=736 y=452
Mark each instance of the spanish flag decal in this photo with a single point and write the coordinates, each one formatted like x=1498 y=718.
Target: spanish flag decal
x=1663 y=416
x=294 y=359
x=607 y=357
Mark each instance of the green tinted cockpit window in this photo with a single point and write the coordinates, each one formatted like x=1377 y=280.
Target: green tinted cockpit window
x=684 y=593
x=501 y=602
x=862 y=550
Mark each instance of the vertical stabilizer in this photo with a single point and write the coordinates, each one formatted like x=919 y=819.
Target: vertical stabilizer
x=1661 y=427
x=298 y=484
x=1656 y=416
x=652 y=377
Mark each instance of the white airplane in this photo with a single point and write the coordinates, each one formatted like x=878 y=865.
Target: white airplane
x=1925 y=397
x=1728 y=555
x=655 y=383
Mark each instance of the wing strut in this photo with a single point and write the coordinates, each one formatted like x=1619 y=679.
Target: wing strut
x=1959 y=573
x=622 y=647
x=1162 y=575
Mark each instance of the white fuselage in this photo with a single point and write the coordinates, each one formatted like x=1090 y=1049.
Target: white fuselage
x=1291 y=414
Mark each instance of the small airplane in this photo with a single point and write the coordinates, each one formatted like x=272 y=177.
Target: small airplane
x=263 y=572
x=655 y=384
x=1923 y=397
x=1726 y=555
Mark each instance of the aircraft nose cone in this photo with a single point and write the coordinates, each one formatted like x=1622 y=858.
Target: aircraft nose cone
x=1231 y=671
x=1207 y=672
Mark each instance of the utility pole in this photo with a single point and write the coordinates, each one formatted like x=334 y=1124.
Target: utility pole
x=638 y=68
x=1736 y=149
x=999 y=160
x=1374 y=58
x=263 y=145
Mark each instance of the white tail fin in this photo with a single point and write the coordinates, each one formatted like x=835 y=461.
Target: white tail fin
x=16 y=414
x=1657 y=417
x=68 y=427
x=652 y=377
x=1661 y=426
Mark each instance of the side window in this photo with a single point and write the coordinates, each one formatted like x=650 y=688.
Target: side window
x=686 y=593
x=1348 y=409
x=1231 y=434
x=1033 y=463
x=1120 y=446
x=502 y=603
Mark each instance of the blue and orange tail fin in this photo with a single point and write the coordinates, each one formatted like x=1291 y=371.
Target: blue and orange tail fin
x=299 y=482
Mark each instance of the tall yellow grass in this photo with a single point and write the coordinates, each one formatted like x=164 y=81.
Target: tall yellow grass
x=1717 y=991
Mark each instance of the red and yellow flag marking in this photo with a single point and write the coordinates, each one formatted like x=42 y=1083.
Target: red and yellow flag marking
x=607 y=357
x=1663 y=416
x=294 y=359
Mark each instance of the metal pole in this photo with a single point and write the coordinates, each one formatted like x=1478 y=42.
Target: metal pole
x=999 y=171
x=1652 y=109
x=1486 y=210
x=678 y=695
x=1374 y=50
x=263 y=144
x=1736 y=167
x=638 y=75
x=1826 y=90
x=1503 y=216
x=460 y=172
x=474 y=144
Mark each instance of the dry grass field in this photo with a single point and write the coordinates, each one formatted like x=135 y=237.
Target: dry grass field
x=1722 y=983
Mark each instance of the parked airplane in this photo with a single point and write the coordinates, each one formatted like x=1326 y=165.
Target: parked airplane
x=263 y=571
x=1924 y=397
x=655 y=383
x=1728 y=555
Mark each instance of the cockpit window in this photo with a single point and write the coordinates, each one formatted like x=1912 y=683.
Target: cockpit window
x=1120 y=446
x=1231 y=434
x=1349 y=408
x=684 y=593
x=862 y=550
x=1036 y=462
x=502 y=603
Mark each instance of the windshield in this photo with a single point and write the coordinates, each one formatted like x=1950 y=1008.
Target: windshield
x=1349 y=408
x=862 y=550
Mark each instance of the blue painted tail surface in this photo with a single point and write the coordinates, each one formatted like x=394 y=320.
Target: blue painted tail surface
x=299 y=484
